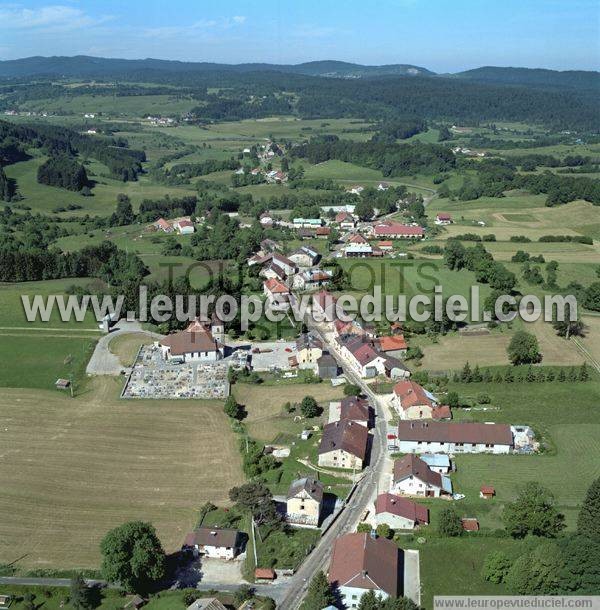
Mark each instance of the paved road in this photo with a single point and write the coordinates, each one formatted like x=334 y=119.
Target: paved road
x=103 y=361
x=366 y=490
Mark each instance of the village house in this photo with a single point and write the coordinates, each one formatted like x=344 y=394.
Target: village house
x=459 y=437
x=399 y=513
x=362 y=357
x=385 y=246
x=324 y=306
x=383 y=186
x=184 y=226
x=352 y=250
x=357 y=189
x=413 y=401
x=351 y=408
x=344 y=444
x=162 y=225
x=361 y=563
x=277 y=293
x=413 y=477
x=396 y=230
x=304 y=257
x=288 y=266
x=323 y=232
x=327 y=367
x=214 y=542
x=308 y=350
x=393 y=346
x=355 y=238
x=304 y=502
x=345 y=221
x=311 y=279
x=443 y=219
x=266 y=220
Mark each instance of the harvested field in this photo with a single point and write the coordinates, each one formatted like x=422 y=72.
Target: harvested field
x=71 y=469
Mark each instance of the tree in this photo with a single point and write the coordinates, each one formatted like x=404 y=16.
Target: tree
x=455 y=255
x=133 y=556
x=79 y=597
x=524 y=349
x=256 y=498
x=384 y=531
x=533 y=512
x=243 y=594
x=567 y=328
x=449 y=523
x=364 y=528
x=466 y=376
x=453 y=399
x=319 y=593
x=496 y=567
x=536 y=573
x=232 y=409
x=350 y=389
x=588 y=520
x=309 y=407
x=364 y=209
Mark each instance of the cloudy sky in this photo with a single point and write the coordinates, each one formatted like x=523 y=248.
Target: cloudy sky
x=442 y=35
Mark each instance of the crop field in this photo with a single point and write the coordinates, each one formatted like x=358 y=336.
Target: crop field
x=74 y=468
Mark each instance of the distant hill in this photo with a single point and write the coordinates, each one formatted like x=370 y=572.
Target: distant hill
x=90 y=67
x=534 y=76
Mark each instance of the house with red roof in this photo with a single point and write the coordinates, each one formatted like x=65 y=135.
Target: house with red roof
x=184 y=226
x=393 y=346
x=361 y=563
x=413 y=401
x=345 y=220
x=162 y=225
x=361 y=355
x=443 y=219
x=396 y=230
x=400 y=513
x=277 y=293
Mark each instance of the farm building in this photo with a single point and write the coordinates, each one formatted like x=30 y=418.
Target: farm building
x=460 y=437
x=344 y=444
x=396 y=230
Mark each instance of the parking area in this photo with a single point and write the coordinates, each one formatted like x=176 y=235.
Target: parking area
x=273 y=355
x=152 y=377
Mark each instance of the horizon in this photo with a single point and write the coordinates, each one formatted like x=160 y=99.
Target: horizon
x=443 y=38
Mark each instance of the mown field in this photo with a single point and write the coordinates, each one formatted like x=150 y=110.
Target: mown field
x=74 y=468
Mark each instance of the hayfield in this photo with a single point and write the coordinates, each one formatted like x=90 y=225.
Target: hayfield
x=42 y=198
x=71 y=469
x=264 y=405
x=450 y=352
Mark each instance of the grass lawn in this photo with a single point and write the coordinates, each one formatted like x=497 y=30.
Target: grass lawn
x=126 y=347
x=74 y=468
x=264 y=405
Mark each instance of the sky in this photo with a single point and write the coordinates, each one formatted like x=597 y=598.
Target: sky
x=442 y=35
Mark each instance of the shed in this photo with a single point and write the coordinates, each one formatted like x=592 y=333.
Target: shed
x=487 y=492
x=470 y=524
x=264 y=574
x=327 y=366
x=62 y=384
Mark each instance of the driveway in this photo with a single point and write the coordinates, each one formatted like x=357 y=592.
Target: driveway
x=103 y=362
